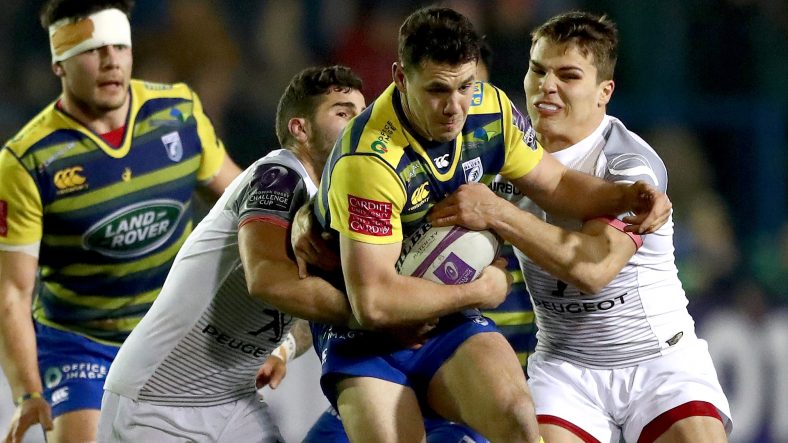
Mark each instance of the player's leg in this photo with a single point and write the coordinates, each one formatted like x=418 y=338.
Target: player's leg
x=378 y=410
x=249 y=420
x=327 y=429
x=678 y=398
x=75 y=426
x=72 y=369
x=482 y=384
x=691 y=429
x=570 y=401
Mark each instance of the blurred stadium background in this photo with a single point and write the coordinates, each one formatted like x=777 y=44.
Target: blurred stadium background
x=704 y=81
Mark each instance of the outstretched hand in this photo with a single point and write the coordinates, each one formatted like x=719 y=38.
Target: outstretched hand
x=271 y=372
x=28 y=413
x=652 y=209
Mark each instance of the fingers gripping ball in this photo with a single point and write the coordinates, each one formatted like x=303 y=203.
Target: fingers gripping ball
x=450 y=255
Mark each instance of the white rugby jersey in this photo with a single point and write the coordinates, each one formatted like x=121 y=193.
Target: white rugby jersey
x=639 y=315
x=204 y=338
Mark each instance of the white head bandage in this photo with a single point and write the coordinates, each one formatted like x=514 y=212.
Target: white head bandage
x=68 y=38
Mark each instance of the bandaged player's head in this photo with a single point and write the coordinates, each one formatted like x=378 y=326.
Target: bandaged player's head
x=90 y=44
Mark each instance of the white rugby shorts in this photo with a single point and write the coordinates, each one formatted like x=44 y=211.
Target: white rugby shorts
x=124 y=420
x=606 y=402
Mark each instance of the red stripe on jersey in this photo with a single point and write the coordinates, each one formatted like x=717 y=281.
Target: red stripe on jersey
x=571 y=427
x=265 y=219
x=3 y=218
x=664 y=421
x=618 y=224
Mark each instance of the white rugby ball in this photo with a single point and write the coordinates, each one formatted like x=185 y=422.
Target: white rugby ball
x=450 y=255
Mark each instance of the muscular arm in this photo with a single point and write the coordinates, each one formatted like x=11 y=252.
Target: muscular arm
x=567 y=192
x=381 y=298
x=17 y=336
x=588 y=259
x=273 y=276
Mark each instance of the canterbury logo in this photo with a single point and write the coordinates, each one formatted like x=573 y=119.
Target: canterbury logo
x=69 y=178
x=420 y=195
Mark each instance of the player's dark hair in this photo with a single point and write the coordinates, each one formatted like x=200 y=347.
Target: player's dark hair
x=302 y=96
x=437 y=34
x=592 y=34
x=55 y=10
x=485 y=53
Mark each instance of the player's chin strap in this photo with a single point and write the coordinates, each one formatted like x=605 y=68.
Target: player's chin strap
x=69 y=37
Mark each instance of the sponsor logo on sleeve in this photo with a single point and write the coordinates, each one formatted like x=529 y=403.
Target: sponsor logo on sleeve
x=3 y=218
x=384 y=137
x=369 y=217
x=272 y=188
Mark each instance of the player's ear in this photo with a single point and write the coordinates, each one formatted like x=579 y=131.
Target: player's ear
x=57 y=68
x=398 y=74
x=298 y=129
x=606 y=92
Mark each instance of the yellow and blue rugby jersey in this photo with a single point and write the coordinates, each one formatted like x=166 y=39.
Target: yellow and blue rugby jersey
x=515 y=316
x=382 y=178
x=109 y=220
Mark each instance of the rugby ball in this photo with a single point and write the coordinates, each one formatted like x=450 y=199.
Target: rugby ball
x=450 y=255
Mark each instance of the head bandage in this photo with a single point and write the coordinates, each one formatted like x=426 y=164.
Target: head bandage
x=68 y=37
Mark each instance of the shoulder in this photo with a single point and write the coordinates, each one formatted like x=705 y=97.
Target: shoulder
x=488 y=99
x=150 y=90
x=627 y=154
x=376 y=132
x=40 y=127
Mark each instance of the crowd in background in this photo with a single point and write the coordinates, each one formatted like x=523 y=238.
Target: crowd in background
x=703 y=80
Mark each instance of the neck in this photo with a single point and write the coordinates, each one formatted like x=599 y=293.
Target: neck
x=312 y=165
x=97 y=120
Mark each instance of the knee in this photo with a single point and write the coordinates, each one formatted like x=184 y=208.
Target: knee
x=516 y=420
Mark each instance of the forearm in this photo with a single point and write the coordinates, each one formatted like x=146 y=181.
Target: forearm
x=401 y=300
x=587 y=259
x=311 y=298
x=18 y=345
x=302 y=336
x=584 y=197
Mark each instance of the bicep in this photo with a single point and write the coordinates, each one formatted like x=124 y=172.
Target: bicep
x=542 y=180
x=262 y=241
x=618 y=246
x=367 y=265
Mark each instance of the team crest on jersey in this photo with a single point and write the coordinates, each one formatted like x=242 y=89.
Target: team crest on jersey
x=173 y=145
x=134 y=230
x=473 y=170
